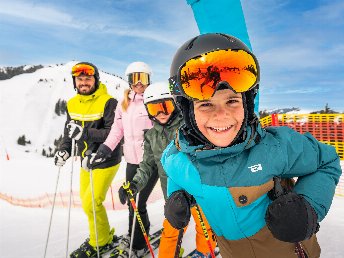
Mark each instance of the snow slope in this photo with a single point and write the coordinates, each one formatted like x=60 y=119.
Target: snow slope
x=29 y=175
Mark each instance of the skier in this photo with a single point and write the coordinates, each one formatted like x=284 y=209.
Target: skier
x=166 y=119
x=228 y=162
x=90 y=115
x=131 y=121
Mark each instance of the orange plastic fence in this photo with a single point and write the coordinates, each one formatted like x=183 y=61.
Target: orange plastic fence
x=327 y=128
x=62 y=199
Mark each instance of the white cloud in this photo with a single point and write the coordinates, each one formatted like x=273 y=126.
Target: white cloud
x=332 y=11
x=116 y=24
x=33 y=12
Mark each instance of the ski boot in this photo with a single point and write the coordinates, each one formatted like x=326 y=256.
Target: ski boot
x=122 y=250
x=88 y=251
x=198 y=254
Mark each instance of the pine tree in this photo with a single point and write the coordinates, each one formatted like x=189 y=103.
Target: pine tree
x=57 y=108
x=21 y=140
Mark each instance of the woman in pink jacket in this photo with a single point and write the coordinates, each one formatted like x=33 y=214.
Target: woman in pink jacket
x=131 y=122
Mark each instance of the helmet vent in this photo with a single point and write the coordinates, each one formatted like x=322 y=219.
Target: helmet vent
x=190 y=45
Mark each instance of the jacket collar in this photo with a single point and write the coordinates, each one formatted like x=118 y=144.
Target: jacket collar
x=135 y=96
x=100 y=91
x=200 y=151
x=175 y=123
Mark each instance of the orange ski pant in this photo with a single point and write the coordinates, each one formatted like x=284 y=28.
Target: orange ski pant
x=169 y=237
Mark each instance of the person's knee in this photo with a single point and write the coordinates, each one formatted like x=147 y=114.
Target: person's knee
x=87 y=205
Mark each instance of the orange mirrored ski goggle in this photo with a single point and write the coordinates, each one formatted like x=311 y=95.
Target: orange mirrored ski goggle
x=198 y=78
x=161 y=106
x=83 y=69
x=136 y=77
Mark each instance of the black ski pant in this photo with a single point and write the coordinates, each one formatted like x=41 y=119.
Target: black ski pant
x=139 y=240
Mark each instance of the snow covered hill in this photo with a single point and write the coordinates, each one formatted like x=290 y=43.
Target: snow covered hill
x=27 y=105
x=32 y=176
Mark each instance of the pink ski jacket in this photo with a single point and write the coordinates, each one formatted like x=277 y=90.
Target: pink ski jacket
x=130 y=124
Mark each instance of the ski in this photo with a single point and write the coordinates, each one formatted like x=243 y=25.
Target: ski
x=156 y=234
x=216 y=252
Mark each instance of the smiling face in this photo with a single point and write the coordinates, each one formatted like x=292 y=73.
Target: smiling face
x=220 y=118
x=139 y=88
x=85 y=84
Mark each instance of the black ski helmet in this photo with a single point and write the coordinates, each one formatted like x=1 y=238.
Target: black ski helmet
x=96 y=75
x=195 y=47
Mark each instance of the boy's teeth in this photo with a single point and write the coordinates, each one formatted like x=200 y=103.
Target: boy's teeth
x=219 y=129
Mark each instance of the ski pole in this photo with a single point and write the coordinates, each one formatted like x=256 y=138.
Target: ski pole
x=52 y=211
x=94 y=213
x=139 y=220
x=205 y=231
x=299 y=250
x=133 y=228
x=70 y=193
x=179 y=243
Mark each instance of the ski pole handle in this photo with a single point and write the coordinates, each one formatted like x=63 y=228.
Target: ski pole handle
x=126 y=186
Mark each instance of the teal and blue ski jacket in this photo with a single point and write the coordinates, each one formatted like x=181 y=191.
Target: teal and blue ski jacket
x=231 y=184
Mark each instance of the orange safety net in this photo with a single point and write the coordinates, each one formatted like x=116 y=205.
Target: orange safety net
x=326 y=128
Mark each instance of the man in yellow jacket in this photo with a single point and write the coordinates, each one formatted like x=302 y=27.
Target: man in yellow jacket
x=90 y=115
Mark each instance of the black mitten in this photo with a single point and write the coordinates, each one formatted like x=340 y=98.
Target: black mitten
x=290 y=217
x=123 y=193
x=177 y=209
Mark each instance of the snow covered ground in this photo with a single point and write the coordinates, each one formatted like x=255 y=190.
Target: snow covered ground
x=23 y=231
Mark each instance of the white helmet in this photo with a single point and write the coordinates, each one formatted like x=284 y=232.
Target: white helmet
x=138 y=67
x=157 y=91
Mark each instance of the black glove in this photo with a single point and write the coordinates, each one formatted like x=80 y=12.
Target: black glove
x=177 y=209
x=290 y=217
x=123 y=193
x=95 y=159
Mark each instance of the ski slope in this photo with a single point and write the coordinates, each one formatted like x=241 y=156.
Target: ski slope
x=23 y=231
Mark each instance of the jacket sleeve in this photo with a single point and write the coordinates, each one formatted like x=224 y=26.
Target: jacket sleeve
x=172 y=187
x=147 y=165
x=317 y=167
x=116 y=132
x=168 y=167
x=99 y=134
x=66 y=143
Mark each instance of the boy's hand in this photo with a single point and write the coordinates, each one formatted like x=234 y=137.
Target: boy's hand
x=177 y=209
x=123 y=193
x=291 y=218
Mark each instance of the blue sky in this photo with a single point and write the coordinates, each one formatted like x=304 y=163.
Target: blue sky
x=300 y=44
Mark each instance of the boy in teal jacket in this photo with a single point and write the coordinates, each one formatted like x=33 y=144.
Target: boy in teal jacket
x=229 y=163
